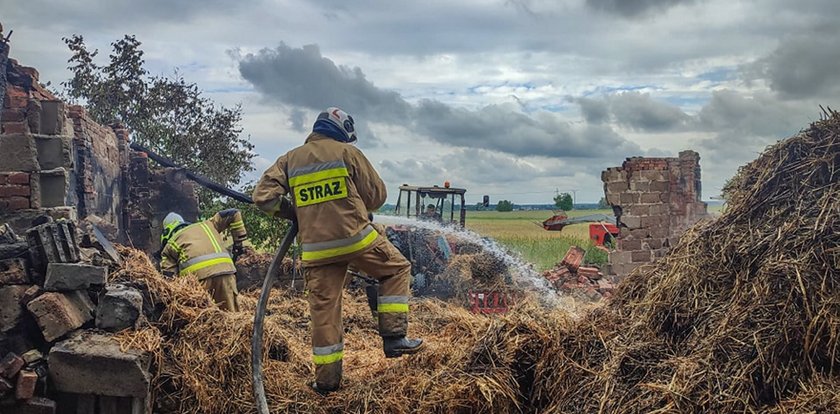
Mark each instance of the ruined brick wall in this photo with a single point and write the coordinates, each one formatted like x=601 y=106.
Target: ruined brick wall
x=655 y=200
x=101 y=153
x=154 y=192
x=36 y=152
x=55 y=160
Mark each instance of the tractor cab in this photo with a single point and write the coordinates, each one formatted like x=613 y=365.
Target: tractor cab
x=432 y=203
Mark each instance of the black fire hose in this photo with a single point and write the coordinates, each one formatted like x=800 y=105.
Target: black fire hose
x=204 y=181
x=259 y=317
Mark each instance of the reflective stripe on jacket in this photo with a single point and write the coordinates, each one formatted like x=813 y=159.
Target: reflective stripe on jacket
x=198 y=248
x=332 y=186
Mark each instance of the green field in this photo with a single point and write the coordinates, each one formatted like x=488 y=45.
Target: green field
x=521 y=231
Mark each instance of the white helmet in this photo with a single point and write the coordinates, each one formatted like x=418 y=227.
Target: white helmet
x=170 y=223
x=172 y=218
x=343 y=121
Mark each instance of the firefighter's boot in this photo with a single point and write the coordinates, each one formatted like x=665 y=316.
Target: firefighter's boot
x=396 y=347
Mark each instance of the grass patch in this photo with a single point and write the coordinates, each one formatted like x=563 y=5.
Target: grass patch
x=521 y=232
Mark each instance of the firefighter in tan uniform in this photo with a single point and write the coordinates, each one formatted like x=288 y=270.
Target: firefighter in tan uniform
x=197 y=249
x=331 y=187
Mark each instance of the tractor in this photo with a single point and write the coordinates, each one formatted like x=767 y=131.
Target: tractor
x=435 y=196
x=429 y=250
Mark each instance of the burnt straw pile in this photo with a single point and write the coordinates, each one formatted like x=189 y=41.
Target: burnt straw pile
x=743 y=315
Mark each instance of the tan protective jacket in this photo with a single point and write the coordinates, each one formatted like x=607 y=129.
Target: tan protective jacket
x=197 y=248
x=332 y=187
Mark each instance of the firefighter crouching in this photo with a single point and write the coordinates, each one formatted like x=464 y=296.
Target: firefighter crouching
x=332 y=187
x=197 y=249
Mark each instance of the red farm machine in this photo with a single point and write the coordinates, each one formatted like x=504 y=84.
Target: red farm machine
x=602 y=228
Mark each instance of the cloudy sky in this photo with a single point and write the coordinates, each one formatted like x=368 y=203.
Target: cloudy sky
x=512 y=98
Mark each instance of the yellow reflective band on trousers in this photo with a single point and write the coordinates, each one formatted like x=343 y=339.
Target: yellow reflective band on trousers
x=323 y=355
x=392 y=304
x=336 y=248
x=392 y=308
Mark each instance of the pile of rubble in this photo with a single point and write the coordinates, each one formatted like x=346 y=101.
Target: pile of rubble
x=586 y=282
x=57 y=313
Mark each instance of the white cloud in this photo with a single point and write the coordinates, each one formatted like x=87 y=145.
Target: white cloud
x=554 y=91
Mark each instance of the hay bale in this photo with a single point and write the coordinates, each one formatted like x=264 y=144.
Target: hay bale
x=743 y=311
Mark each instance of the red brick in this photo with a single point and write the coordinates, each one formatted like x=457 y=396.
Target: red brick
x=589 y=272
x=19 y=178
x=573 y=258
x=15 y=128
x=15 y=102
x=59 y=313
x=16 y=92
x=30 y=71
x=4 y=178
x=14 y=203
x=12 y=115
x=10 y=365
x=25 y=388
x=7 y=191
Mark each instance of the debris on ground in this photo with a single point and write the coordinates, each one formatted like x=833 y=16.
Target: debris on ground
x=583 y=282
x=49 y=295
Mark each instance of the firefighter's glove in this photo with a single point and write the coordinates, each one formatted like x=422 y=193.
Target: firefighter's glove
x=286 y=210
x=238 y=250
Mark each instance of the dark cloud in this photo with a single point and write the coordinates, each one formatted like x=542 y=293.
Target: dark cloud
x=297 y=117
x=471 y=167
x=303 y=77
x=633 y=110
x=594 y=111
x=119 y=12
x=761 y=114
x=638 y=111
x=634 y=8
x=501 y=128
x=412 y=171
x=803 y=65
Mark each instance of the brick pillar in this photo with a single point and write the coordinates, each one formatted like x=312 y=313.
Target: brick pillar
x=655 y=200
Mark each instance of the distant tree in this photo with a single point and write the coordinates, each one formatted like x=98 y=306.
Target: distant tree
x=564 y=201
x=602 y=204
x=504 y=205
x=264 y=233
x=479 y=206
x=168 y=115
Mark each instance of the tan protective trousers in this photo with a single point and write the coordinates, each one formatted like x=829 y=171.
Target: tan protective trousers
x=325 y=285
x=223 y=290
